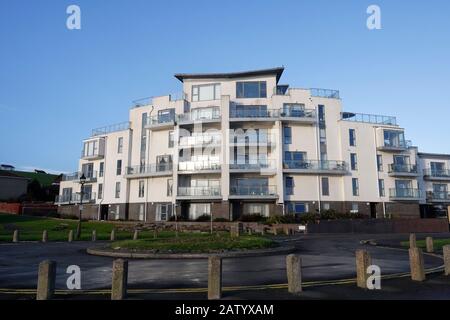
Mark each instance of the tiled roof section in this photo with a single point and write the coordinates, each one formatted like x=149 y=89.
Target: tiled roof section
x=274 y=71
x=5 y=173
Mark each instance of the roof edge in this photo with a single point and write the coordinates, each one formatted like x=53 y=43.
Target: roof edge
x=278 y=71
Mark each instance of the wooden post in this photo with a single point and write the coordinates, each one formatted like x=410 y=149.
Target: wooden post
x=430 y=244
x=416 y=264
x=119 y=279
x=46 y=280
x=363 y=261
x=294 y=273
x=214 y=278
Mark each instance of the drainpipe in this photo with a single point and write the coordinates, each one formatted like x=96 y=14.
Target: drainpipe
x=319 y=202
x=104 y=180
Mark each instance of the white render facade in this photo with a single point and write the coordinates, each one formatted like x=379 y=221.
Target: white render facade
x=233 y=144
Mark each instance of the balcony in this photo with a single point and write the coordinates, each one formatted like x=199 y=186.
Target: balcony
x=74 y=198
x=205 y=139
x=111 y=128
x=324 y=93
x=290 y=114
x=440 y=196
x=254 y=166
x=369 y=118
x=199 y=167
x=75 y=177
x=204 y=115
x=320 y=167
x=253 y=192
x=242 y=139
x=399 y=146
x=160 y=122
x=405 y=194
x=254 y=113
x=152 y=170
x=402 y=170
x=436 y=175
x=200 y=193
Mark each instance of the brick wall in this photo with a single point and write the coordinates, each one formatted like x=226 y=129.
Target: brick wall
x=12 y=208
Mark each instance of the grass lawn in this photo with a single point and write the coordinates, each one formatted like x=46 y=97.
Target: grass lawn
x=196 y=243
x=438 y=243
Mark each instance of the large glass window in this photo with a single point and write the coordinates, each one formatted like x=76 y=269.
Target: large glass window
x=352 y=137
x=88 y=170
x=381 y=187
x=100 y=191
x=199 y=209
x=325 y=186
x=117 y=193
x=163 y=211
x=353 y=161
x=380 y=162
x=119 y=167
x=289 y=184
x=141 y=188
x=171 y=139
x=101 y=169
x=394 y=138
x=296 y=207
x=169 y=187
x=206 y=92
x=355 y=187
x=120 y=145
x=251 y=89
x=90 y=148
x=287 y=135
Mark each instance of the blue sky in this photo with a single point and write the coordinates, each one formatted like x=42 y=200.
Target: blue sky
x=56 y=84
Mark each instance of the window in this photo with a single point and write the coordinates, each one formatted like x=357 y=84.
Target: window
x=199 y=209
x=120 y=145
x=141 y=188
x=119 y=167
x=90 y=148
x=381 y=187
x=253 y=89
x=325 y=187
x=289 y=184
x=394 y=138
x=326 y=206
x=355 y=208
x=117 y=213
x=141 y=212
x=352 y=137
x=261 y=209
x=117 y=190
x=171 y=139
x=293 y=110
x=353 y=161
x=287 y=135
x=380 y=162
x=297 y=156
x=166 y=115
x=355 y=187
x=296 y=207
x=67 y=195
x=169 y=187
x=101 y=170
x=88 y=170
x=206 y=92
x=100 y=191
x=163 y=211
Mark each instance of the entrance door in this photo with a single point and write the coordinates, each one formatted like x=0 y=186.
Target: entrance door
x=373 y=210
x=104 y=212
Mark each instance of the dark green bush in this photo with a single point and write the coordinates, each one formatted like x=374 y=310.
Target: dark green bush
x=221 y=220
x=252 y=218
x=203 y=218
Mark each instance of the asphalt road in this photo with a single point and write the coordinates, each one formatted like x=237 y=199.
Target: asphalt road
x=324 y=257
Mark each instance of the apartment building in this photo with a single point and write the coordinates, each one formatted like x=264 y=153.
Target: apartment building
x=232 y=144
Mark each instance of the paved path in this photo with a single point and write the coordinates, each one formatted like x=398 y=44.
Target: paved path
x=325 y=257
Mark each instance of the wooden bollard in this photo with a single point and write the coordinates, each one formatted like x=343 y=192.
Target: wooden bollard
x=446 y=251
x=46 y=280
x=70 y=237
x=16 y=236
x=94 y=235
x=136 y=235
x=429 y=244
x=155 y=233
x=412 y=241
x=119 y=279
x=44 y=236
x=275 y=231
x=416 y=264
x=363 y=261
x=214 y=278
x=294 y=273
x=113 y=235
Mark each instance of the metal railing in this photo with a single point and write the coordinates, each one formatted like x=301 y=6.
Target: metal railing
x=369 y=118
x=324 y=93
x=254 y=164
x=201 y=114
x=254 y=112
x=75 y=197
x=440 y=195
x=406 y=193
x=77 y=175
x=402 y=168
x=199 y=165
x=260 y=139
x=147 y=101
x=201 y=139
x=151 y=168
x=297 y=113
x=211 y=191
x=437 y=173
x=111 y=128
x=316 y=165
x=253 y=191
x=160 y=119
x=400 y=144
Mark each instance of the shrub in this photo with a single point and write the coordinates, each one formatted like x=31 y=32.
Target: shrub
x=179 y=218
x=221 y=220
x=252 y=218
x=202 y=218
x=277 y=219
